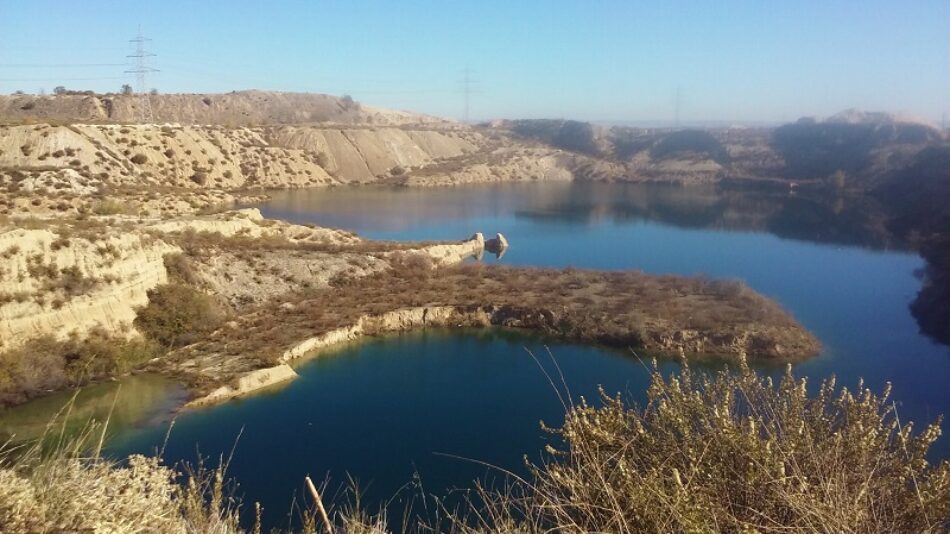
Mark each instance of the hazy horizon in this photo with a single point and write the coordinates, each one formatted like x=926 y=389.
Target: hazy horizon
x=611 y=62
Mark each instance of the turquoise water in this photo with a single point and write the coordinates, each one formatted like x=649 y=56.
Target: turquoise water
x=386 y=408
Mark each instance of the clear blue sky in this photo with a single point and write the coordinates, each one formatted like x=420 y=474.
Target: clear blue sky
x=760 y=60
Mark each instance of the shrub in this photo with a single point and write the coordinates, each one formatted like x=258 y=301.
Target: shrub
x=139 y=158
x=56 y=485
x=108 y=207
x=176 y=315
x=46 y=364
x=59 y=243
x=733 y=452
x=179 y=269
x=72 y=282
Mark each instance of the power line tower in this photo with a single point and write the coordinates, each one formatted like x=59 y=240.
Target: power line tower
x=141 y=70
x=468 y=89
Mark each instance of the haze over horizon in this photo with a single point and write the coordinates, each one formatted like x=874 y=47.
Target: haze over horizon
x=737 y=61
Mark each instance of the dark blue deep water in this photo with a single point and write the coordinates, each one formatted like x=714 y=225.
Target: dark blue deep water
x=384 y=409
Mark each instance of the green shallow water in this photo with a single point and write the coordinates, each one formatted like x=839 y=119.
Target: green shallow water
x=130 y=402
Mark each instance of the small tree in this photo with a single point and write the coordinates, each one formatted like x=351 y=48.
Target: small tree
x=59 y=90
x=177 y=315
x=126 y=89
x=153 y=91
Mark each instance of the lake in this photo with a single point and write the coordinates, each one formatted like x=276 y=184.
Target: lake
x=385 y=409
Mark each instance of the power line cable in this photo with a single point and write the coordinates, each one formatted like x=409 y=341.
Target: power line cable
x=58 y=65
x=63 y=79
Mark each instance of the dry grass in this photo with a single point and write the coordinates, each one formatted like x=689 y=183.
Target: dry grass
x=731 y=452
x=61 y=483
x=625 y=309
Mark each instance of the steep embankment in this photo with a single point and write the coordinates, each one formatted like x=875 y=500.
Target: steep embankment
x=69 y=280
x=228 y=158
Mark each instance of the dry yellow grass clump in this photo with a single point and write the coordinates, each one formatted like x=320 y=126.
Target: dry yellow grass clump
x=731 y=452
x=62 y=484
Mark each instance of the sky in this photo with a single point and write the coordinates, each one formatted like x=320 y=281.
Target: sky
x=611 y=61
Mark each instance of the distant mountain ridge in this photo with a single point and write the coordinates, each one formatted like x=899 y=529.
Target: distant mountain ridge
x=860 y=146
x=238 y=108
x=857 y=116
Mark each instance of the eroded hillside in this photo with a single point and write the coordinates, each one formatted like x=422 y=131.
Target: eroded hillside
x=238 y=108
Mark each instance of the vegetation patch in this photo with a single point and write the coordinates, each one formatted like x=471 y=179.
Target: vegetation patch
x=45 y=364
x=177 y=315
x=624 y=309
x=731 y=452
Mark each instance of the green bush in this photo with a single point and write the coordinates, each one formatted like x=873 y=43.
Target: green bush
x=109 y=207
x=177 y=315
x=46 y=364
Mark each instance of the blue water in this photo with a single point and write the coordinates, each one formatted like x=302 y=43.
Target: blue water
x=384 y=409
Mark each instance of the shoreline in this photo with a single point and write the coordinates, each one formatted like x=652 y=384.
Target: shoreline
x=401 y=321
x=255 y=352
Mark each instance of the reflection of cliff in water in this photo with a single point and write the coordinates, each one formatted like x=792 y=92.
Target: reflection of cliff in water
x=931 y=308
x=815 y=216
x=859 y=220
x=140 y=397
x=844 y=220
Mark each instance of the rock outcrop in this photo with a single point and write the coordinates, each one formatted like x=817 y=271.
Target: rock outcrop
x=56 y=284
x=497 y=245
x=247 y=384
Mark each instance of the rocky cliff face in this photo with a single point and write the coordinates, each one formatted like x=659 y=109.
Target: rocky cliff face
x=215 y=157
x=365 y=155
x=57 y=283
x=66 y=278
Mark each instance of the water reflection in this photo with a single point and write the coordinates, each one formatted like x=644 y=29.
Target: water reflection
x=138 y=400
x=375 y=211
